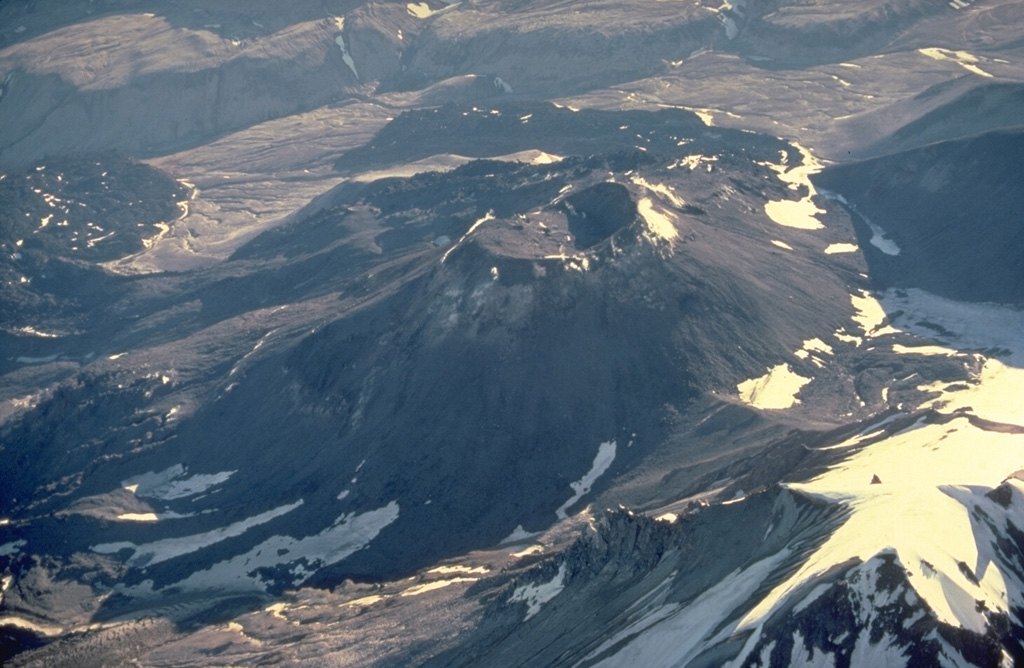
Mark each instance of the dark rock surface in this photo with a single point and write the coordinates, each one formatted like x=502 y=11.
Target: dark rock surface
x=400 y=297
x=954 y=210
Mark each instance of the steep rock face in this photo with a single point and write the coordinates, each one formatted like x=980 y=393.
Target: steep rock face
x=945 y=218
x=176 y=84
x=959 y=114
x=870 y=614
x=784 y=34
x=594 y=45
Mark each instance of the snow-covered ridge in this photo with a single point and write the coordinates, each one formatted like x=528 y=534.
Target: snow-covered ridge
x=922 y=493
x=928 y=503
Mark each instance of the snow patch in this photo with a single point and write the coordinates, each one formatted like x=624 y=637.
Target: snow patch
x=28 y=625
x=961 y=58
x=472 y=228
x=817 y=345
x=870 y=315
x=348 y=534
x=925 y=350
x=660 y=223
x=8 y=549
x=431 y=586
x=32 y=331
x=163 y=550
x=813 y=346
x=692 y=162
x=884 y=653
x=172 y=483
x=460 y=569
x=536 y=595
x=705 y=116
x=833 y=249
x=138 y=517
x=775 y=390
x=995 y=395
x=665 y=191
x=799 y=214
x=518 y=535
x=800 y=657
x=880 y=240
x=340 y=41
x=420 y=10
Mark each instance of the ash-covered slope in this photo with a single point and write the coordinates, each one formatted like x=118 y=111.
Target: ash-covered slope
x=470 y=316
x=456 y=358
x=894 y=541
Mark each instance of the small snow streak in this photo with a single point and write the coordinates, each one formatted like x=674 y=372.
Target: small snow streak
x=604 y=458
x=431 y=586
x=472 y=228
